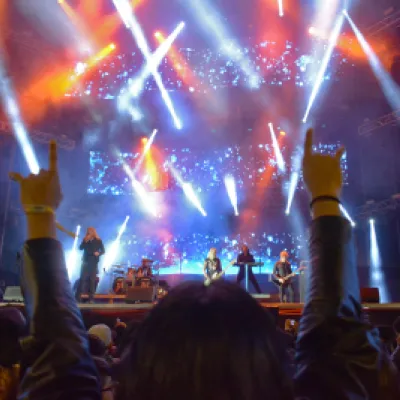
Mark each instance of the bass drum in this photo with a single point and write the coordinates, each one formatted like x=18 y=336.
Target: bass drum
x=118 y=286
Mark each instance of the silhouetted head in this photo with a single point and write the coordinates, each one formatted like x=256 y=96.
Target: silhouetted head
x=245 y=250
x=210 y=343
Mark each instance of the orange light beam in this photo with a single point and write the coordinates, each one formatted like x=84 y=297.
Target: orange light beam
x=110 y=23
x=178 y=62
x=93 y=60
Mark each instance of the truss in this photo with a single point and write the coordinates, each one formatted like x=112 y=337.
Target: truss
x=373 y=208
x=389 y=119
x=41 y=137
x=384 y=24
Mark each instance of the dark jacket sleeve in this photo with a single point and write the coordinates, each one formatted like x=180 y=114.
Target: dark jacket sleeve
x=289 y=268
x=61 y=366
x=396 y=358
x=82 y=246
x=338 y=356
x=275 y=271
x=102 y=249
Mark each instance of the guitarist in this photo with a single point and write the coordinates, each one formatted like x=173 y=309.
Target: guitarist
x=212 y=266
x=282 y=269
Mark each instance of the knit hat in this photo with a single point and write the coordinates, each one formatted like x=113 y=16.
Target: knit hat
x=103 y=332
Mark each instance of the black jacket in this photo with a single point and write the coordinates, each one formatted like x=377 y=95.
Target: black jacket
x=60 y=364
x=338 y=356
x=90 y=247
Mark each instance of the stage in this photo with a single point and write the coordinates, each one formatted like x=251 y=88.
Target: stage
x=105 y=312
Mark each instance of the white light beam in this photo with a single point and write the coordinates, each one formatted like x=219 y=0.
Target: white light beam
x=324 y=65
x=126 y=12
x=278 y=153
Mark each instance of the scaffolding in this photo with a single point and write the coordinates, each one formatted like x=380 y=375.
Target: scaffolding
x=374 y=208
x=63 y=141
x=368 y=126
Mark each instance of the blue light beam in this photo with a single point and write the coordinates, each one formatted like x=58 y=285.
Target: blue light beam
x=128 y=17
x=389 y=87
x=324 y=65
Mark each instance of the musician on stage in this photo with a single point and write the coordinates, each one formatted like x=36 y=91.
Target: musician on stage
x=93 y=249
x=282 y=269
x=212 y=265
x=246 y=257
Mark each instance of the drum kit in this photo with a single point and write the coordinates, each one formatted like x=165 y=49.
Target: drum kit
x=144 y=275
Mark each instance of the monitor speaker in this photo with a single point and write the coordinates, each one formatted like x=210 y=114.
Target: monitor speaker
x=145 y=294
x=369 y=295
x=13 y=294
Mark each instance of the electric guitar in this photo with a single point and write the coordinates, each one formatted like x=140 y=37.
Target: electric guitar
x=286 y=279
x=216 y=275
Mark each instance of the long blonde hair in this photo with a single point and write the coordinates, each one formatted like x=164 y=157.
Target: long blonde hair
x=212 y=254
x=91 y=234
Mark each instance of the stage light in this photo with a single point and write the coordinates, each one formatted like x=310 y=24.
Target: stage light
x=126 y=12
x=191 y=195
x=60 y=1
x=136 y=86
x=324 y=65
x=280 y=7
x=376 y=276
x=292 y=189
x=12 y=111
x=389 y=87
x=157 y=34
x=312 y=30
x=187 y=190
x=282 y=133
x=147 y=145
x=146 y=200
x=230 y=186
x=112 y=46
x=113 y=251
x=347 y=215
x=277 y=150
x=212 y=24
x=72 y=262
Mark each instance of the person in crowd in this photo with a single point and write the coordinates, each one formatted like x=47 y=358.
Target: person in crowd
x=282 y=271
x=206 y=342
x=396 y=353
x=338 y=356
x=210 y=342
x=99 y=352
x=61 y=366
x=246 y=257
x=212 y=266
x=93 y=249
x=12 y=328
x=104 y=333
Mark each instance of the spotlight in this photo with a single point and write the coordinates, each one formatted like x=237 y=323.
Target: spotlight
x=372 y=221
x=144 y=140
x=282 y=133
x=157 y=34
x=112 y=46
x=312 y=30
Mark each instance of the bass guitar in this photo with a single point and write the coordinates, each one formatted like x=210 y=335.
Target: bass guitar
x=286 y=279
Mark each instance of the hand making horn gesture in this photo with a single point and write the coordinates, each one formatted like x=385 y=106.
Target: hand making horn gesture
x=322 y=173
x=41 y=193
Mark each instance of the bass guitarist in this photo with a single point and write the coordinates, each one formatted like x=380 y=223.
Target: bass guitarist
x=282 y=275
